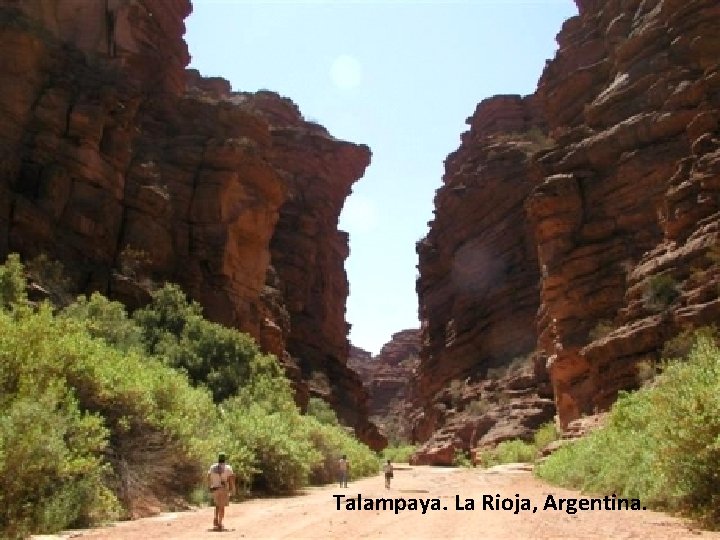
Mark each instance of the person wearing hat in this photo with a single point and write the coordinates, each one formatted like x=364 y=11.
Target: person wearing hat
x=221 y=481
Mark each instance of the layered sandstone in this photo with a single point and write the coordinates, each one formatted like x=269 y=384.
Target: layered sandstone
x=626 y=213
x=389 y=378
x=132 y=171
x=478 y=287
x=621 y=212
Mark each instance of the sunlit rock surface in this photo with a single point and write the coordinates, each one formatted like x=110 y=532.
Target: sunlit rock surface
x=619 y=212
x=132 y=171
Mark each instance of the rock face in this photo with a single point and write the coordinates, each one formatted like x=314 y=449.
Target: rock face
x=478 y=289
x=626 y=212
x=389 y=377
x=618 y=215
x=131 y=171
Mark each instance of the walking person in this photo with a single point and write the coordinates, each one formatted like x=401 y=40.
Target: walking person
x=343 y=470
x=388 y=470
x=221 y=482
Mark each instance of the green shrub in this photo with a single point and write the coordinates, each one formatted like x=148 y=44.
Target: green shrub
x=680 y=346
x=461 y=458
x=601 y=329
x=514 y=451
x=321 y=410
x=166 y=316
x=513 y=366
x=394 y=427
x=399 y=453
x=545 y=434
x=456 y=389
x=151 y=415
x=93 y=415
x=51 y=472
x=519 y=451
x=277 y=443
x=286 y=450
x=331 y=442
x=220 y=358
x=133 y=262
x=12 y=281
x=661 y=443
x=50 y=274
x=660 y=291
x=107 y=320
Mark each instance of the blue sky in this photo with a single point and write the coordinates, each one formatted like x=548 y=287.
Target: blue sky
x=400 y=76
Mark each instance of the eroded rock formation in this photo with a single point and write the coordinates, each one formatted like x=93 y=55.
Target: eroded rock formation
x=621 y=214
x=478 y=289
x=131 y=171
x=388 y=378
x=626 y=214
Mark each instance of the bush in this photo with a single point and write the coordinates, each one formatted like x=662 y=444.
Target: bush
x=149 y=415
x=220 y=358
x=603 y=328
x=680 y=346
x=93 y=416
x=399 y=453
x=456 y=390
x=514 y=451
x=545 y=434
x=461 y=459
x=277 y=445
x=50 y=274
x=51 y=472
x=660 y=291
x=519 y=451
x=12 y=282
x=661 y=443
x=331 y=442
x=166 y=316
x=107 y=320
x=321 y=410
x=478 y=407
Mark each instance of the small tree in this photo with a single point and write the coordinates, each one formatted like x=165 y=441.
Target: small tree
x=12 y=282
x=660 y=291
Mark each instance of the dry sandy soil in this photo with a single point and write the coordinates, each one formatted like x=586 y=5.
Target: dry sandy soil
x=314 y=514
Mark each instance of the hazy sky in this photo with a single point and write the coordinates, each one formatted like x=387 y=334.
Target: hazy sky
x=399 y=76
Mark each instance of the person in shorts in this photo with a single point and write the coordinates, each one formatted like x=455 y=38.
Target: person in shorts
x=221 y=482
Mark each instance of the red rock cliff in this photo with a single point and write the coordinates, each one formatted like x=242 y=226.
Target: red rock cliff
x=610 y=233
x=389 y=378
x=130 y=170
x=478 y=287
x=626 y=214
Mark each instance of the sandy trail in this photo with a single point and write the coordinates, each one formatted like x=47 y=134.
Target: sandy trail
x=314 y=514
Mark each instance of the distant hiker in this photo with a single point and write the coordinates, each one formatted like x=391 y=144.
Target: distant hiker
x=221 y=481
x=343 y=470
x=388 y=470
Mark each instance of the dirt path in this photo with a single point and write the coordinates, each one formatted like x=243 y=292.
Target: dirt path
x=314 y=514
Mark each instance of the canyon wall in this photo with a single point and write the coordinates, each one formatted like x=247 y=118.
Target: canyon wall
x=478 y=290
x=626 y=212
x=388 y=378
x=132 y=171
x=588 y=252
